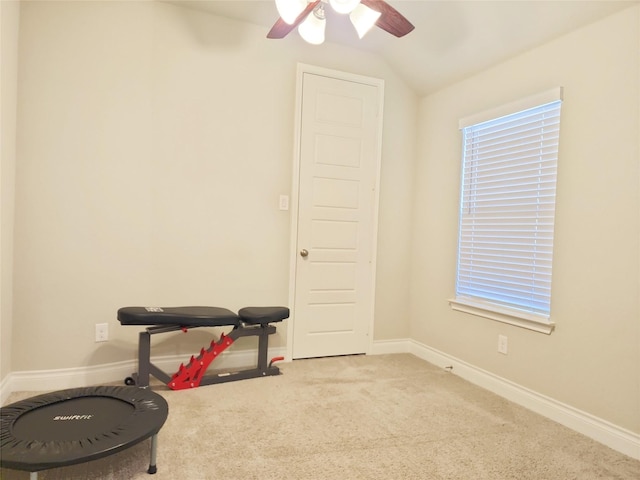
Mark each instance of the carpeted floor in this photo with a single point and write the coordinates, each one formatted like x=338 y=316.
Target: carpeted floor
x=359 y=417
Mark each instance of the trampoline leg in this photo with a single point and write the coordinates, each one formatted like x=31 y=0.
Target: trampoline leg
x=154 y=447
x=33 y=476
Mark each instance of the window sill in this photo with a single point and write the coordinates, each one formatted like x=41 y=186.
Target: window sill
x=501 y=314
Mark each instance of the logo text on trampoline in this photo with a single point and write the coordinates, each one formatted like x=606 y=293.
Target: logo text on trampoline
x=72 y=417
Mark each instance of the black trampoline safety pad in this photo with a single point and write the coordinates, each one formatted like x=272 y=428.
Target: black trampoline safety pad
x=78 y=425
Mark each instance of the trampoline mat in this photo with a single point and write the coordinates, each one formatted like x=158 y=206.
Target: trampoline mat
x=77 y=425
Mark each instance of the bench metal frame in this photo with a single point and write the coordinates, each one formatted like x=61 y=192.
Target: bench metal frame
x=146 y=368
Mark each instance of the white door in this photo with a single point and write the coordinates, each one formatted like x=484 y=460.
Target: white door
x=339 y=152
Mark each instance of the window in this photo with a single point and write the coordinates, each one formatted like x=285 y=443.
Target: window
x=505 y=244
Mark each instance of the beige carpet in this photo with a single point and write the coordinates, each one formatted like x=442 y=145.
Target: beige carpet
x=375 y=417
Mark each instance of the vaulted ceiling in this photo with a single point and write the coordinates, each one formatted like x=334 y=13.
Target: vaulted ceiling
x=452 y=39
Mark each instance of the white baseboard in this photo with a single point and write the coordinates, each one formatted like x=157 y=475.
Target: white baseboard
x=613 y=436
x=49 y=380
x=381 y=347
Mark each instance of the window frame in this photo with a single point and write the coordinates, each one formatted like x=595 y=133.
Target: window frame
x=494 y=310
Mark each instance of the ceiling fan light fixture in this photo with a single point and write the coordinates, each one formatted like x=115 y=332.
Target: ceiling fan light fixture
x=290 y=9
x=310 y=19
x=363 y=19
x=344 y=6
x=312 y=29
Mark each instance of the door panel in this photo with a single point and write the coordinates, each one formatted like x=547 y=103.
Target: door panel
x=339 y=152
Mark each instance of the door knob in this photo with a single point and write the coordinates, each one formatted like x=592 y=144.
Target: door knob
x=304 y=252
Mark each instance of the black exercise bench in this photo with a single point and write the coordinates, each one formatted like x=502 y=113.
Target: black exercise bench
x=249 y=321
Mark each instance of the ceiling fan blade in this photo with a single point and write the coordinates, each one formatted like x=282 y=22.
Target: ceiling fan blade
x=281 y=28
x=391 y=20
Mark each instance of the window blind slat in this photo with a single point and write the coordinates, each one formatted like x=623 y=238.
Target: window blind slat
x=523 y=132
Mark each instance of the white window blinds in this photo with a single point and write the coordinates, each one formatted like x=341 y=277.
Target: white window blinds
x=508 y=192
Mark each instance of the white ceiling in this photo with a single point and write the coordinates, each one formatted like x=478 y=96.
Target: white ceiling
x=452 y=39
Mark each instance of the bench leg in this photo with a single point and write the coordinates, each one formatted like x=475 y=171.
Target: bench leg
x=144 y=359
x=263 y=347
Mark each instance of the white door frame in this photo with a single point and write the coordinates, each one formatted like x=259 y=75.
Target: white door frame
x=293 y=253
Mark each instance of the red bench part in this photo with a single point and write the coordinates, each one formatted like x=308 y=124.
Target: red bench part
x=191 y=375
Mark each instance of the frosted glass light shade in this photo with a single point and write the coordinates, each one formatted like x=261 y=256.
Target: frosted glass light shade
x=344 y=6
x=363 y=18
x=290 y=9
x=312 y=29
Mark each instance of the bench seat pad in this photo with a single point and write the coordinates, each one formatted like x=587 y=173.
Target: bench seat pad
x=183 y=316
x=263 y=315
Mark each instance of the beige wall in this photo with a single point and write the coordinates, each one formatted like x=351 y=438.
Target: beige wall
x=592 y=360
x=9 y=18
x=154 y=142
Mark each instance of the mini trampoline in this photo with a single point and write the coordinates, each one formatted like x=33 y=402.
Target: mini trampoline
x=77 y=425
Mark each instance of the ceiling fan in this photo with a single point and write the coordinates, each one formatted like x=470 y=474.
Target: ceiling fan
x=309 y=17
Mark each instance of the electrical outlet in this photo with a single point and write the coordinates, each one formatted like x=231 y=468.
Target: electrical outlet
x=102 y=332
x=503 y=345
